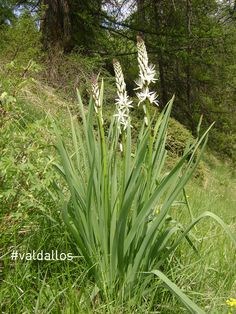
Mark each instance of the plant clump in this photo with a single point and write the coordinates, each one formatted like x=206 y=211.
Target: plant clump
x=119 y=209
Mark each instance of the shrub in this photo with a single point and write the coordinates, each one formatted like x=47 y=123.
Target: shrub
x=19 y=59
x=13 y=48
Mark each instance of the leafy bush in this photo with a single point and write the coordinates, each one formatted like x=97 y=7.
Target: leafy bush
x=19 y=59
x=20 y=41
x=177 y=138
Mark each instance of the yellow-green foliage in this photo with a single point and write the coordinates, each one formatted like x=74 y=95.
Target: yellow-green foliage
x=26 y=153
x=20 y=42
x=177 y=138
x=20 y=56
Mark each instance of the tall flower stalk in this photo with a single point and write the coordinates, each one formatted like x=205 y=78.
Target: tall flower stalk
x=147 y=75
x=96 y=93
x=123 y=104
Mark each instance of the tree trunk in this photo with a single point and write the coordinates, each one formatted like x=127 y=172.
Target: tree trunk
x=164 y=97
x=158 y=24
x=56 y=33
x=141 y=13
x=188 y=66
x=56 y=25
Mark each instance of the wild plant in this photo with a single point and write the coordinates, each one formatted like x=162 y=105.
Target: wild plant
x=120 y=199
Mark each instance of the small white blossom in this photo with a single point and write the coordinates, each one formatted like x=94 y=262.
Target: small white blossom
x=150 y=74
x=139 y=83
x=146 y=77
x=153 y=98
x=122 y=119
x=146 y=94
x=124 y=102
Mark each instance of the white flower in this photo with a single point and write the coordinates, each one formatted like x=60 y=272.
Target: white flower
x=96 y=93
x=121 y=116
x=147 y=72
x=147 y=75
x=150 y=74
x=142 y=53
x=122 y=120
x=146 y=94
x=153 y=98
x=139 y=83
x=123 y=103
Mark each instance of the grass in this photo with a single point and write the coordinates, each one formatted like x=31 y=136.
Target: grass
x=61 y=287
x=212 y=276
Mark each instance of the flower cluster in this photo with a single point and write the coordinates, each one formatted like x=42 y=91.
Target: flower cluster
x=147 y=75
x=123 y=103
x=96 y=94
x=231 y=302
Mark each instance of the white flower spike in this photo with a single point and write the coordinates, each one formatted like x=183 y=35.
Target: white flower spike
x=123 y=103
x=147 y=75
x=95 y=93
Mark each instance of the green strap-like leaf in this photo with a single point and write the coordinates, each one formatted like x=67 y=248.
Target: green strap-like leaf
x=189 y=304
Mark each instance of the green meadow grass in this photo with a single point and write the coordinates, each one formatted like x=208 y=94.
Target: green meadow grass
x=208 y=277
x=211 y=275
x=62 y=287
x=31 y=219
